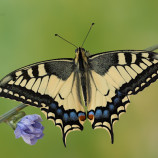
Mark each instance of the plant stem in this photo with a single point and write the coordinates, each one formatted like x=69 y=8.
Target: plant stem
x=152 y=48
x=12 y=112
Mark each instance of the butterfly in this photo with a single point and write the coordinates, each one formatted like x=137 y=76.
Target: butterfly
x=102 y=83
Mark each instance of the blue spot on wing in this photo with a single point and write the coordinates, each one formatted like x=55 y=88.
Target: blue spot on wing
x=111 y=107
x=119 y=93
x=98 y=113
x=59 y=112
x=53 y=105
x=91 y=113
x=73 y=116
x=116 y=101
x=81 y=114
x=66 y=117
x=106 y=114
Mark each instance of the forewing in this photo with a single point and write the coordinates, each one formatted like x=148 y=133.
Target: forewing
x=113 y=76
x=53 y=87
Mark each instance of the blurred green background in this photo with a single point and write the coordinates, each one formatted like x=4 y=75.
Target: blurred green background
x=27 y=31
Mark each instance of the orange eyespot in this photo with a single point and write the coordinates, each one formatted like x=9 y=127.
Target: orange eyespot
x=91 y=116
x=82 y=117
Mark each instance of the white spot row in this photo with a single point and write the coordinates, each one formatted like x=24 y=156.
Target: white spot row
x=22 y=97
x=142 y=84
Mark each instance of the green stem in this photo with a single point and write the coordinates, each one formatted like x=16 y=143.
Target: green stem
x=152 y=48
x=12 y=112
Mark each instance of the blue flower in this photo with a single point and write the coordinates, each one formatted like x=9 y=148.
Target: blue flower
x=30 y=129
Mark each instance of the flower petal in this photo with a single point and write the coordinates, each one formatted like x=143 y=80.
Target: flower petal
x=17 y=132
x=33 y=141
x=30 y=129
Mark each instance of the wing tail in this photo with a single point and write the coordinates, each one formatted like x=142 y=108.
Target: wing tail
x=105 y=114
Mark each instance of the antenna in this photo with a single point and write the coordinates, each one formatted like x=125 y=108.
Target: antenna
x=87 y=34
x=66 y=40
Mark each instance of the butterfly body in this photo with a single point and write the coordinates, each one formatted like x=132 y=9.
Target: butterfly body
x=62 y=88
x=81 y=62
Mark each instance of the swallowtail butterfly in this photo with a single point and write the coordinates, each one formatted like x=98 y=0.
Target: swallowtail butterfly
x=62 y=88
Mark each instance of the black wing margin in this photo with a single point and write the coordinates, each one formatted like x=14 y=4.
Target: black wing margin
x=121 y=73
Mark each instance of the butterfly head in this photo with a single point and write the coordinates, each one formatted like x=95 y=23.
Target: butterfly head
x=82 y=51
x=79 y=50
x=80 y=55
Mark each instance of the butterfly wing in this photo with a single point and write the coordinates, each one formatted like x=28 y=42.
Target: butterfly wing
x=52 y=86
x=113 y=76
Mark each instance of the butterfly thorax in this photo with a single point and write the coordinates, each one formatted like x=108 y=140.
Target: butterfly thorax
x=82 y=66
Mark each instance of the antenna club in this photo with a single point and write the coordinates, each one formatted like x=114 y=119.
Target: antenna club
x=56 y=34
x=93 y=23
